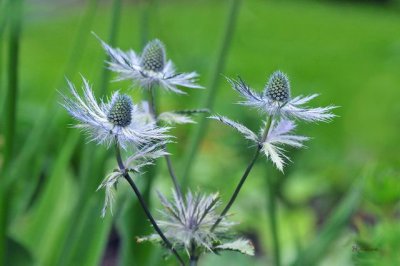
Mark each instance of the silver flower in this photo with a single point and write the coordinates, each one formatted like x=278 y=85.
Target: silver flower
x=276 y=100
x=143 y=156
x=150 y=68
x=279 y=134
x=118 y=119
x=188 y=222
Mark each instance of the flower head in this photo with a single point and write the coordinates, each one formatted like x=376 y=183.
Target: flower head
x=118 y=119
x=276 y=100
x=153 y=56
x=189 y=221
x=150 y=68
x=278 y=88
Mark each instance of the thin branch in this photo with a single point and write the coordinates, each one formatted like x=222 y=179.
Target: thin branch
x=238 y=188
x=143 y=204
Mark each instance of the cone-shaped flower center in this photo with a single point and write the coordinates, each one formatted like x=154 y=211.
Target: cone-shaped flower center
x=278 y=87
x=120 y=111
x=153 y=56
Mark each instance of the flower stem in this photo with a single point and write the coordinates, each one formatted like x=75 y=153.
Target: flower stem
x=193 y=261
x=237 y=190
x=143 y=204
x=171 y=171
x=246 y=173
x=272 y=213
x=193 y=257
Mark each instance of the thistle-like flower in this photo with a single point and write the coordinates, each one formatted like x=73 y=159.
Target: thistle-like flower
x=187 y=222
x=276 y=100
x=117 y=120
x=279 y=133
x=145 y=155
x=150 y=68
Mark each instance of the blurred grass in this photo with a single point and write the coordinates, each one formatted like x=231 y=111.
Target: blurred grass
x=348 y=53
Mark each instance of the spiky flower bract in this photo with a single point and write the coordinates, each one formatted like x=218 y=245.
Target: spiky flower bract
x=187 y=222
x=150 y=68
x=276 y=101
x=119 y=119
x=145 y=155
x=279 y=133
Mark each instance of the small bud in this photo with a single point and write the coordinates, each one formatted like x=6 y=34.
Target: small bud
x=120 y=111
x=153 y=56
x=278 y=87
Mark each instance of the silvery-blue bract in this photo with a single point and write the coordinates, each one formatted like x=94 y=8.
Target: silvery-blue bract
x=150 y=68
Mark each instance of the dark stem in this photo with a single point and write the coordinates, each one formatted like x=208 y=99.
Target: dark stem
x=171 y=171
x=143 y=204
x=173 y=176
x=237 y=190
x=193 y=261
x=193 y=257
x=273 y=219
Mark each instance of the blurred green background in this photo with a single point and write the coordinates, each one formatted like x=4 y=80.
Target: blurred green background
x=338 y=202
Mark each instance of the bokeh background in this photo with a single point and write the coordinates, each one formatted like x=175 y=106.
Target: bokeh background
x=336 y=204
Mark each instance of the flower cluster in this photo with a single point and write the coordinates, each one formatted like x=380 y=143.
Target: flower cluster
x=189 y=223
x=122 y=122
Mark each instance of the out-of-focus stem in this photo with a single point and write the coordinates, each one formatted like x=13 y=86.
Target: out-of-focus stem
x=272 y=214
x=116 y=14
x=13 y=84
x=10 y=112
x=209 y=101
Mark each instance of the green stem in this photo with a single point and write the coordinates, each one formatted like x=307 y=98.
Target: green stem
x=13 y=84
x=209 y=102
x=10 y=112
x=143 y=203
x=81 y=38
x=112 y=37
x=272 y=213
x=3 y=20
